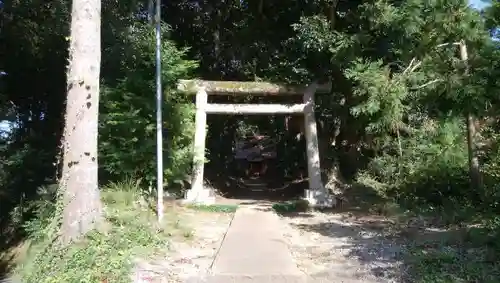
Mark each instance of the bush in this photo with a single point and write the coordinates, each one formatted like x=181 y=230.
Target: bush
x=127 y=130
x=300 y=205
x=432 y=172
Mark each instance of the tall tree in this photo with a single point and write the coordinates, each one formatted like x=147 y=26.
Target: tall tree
x=82 y=204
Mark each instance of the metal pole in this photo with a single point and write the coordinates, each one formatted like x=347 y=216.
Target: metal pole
x=159 y=128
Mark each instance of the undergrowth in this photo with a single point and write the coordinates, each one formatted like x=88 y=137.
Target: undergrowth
x=446 y=244
x=222 y=208
x=469 y=255
x=130 y=231
x=291 y=206
x=452 y=230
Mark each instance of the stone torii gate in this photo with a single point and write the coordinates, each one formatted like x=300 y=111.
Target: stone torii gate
x=316 y=195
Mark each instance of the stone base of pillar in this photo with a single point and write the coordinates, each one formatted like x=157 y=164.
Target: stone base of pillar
x=199 y=196
x=319 y=198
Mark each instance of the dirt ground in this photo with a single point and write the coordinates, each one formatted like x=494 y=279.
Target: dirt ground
x=337 y=247
x=191 y=252
x=326 y=246
x=342 y=247
x=332 y=246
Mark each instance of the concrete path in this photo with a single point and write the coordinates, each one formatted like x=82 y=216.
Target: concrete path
x=254 y=250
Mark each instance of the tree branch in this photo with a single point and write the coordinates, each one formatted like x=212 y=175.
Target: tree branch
x=428 y=83
x=447 y=44
x=411 y=68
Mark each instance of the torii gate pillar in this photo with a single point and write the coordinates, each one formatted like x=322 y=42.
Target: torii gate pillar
x=316 y=195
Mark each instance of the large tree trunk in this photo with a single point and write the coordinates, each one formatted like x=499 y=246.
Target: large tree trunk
x=82 y=204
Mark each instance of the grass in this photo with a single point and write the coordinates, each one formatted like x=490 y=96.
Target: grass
x=131 y=232
x=445 y=245
x=470 y=254
x=219 y=208
x=10 y=256
x=291 y=206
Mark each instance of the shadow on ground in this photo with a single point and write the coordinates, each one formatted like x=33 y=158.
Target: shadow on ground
x=257 y=189
x=401 y=248
x=368 y=245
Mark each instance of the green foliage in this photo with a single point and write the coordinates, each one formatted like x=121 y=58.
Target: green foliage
x=44 y=223
x=472 y=260
x=492 y=16
x=395 y=112
x=291 y=206
x=383 y=96
x=128 y=120
x=432 y=170
x=130 y=232
x=215 y=208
